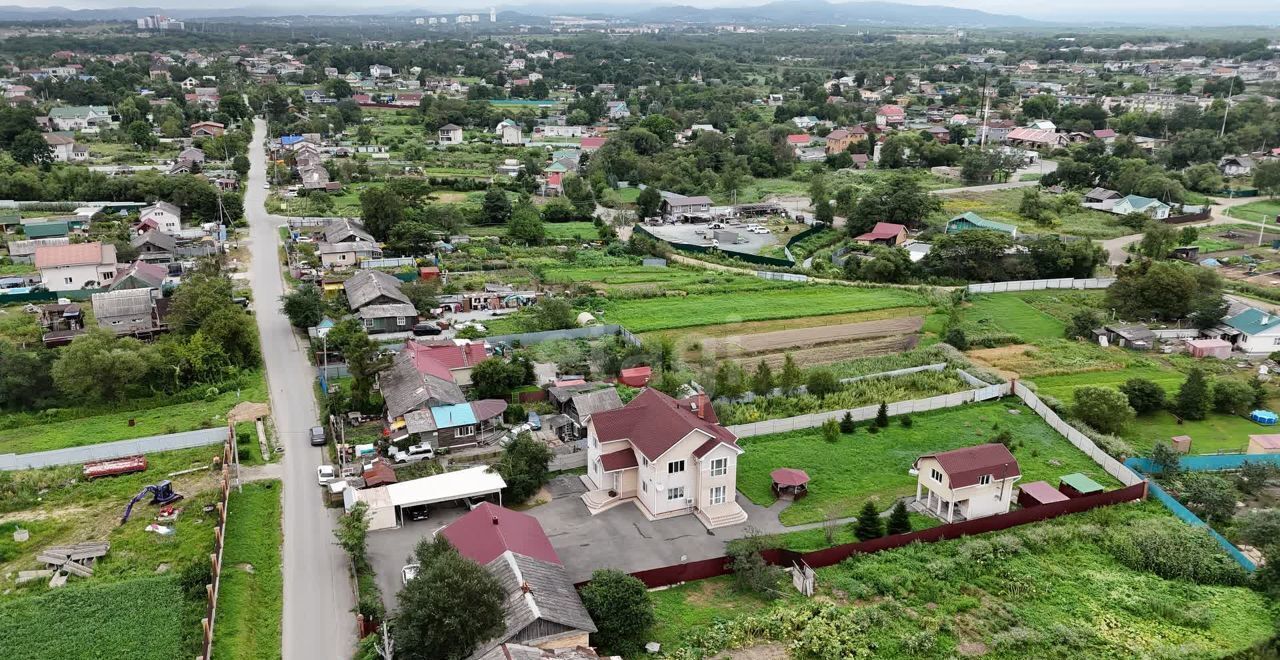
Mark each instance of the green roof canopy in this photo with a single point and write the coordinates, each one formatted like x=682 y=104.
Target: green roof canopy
x=1082 y=483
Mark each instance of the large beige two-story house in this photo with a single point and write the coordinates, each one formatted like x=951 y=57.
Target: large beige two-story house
x=670 y=457
x=967 y=483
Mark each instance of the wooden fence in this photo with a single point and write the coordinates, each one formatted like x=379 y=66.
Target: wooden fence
x=717 y=566
x=219 y=541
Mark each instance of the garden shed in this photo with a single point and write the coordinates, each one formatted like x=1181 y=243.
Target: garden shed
x=1214 y=348
x=1037 y=493
x=1078 y=485
x=1268 y=443
x=1181 y=443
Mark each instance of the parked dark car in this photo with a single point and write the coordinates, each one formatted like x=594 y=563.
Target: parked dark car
x=416 y=512
x=425 y=330
x=317 y=436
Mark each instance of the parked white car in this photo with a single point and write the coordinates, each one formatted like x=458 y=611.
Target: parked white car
x=409 y=572
x=325 y=474
x=418 y=452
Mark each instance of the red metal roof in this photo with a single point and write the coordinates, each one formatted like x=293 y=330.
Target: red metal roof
x=882 y=231
x=379 y=473
x=618 y=460
x=964 y=466
x=446 y=353
x=635 y=376
x=1042 y=492
x=654 y=422
x=593 y=142
x=790 y=477
x=489 y=530
x=798 y=139
x=488 y=408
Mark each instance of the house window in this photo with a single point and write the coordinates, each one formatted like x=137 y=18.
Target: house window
x=107 y=275
x=676 y=493
x=719 y=467
x=400 y=320
x=675 y=467
x=646 y=462
x=66 y=280
x=592 y=439
x=465 y=431
x=717 y=495
x=984 y=480
x=937 y=476
x=644 y=485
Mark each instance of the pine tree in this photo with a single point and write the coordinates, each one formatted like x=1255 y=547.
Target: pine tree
x=1192 y=400
x=846 y=423
x=868 y=526
x=791 y=377
x=899 y=520
x=762 y=380
x=882 y=415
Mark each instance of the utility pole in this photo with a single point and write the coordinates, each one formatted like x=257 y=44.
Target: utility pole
x=1231 y=83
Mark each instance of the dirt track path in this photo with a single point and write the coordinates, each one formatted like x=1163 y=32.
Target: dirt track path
x=768 y=342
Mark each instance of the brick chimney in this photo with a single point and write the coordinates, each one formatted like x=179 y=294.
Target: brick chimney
x=700 y=406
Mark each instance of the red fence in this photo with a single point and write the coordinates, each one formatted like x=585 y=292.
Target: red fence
x=709 y=568
x=1190 y=217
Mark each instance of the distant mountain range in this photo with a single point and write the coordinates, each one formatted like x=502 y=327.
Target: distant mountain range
x=784 y=12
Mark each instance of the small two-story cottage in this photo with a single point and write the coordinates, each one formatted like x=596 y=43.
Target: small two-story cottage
x=967 y=483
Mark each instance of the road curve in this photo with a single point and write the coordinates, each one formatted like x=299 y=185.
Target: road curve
x=318 y=596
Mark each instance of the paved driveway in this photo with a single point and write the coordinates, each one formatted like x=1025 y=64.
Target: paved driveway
x=624 y=539
x=620 y=538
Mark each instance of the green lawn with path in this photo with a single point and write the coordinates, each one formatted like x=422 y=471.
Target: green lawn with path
x=1263 y=210
x=864 y=466
x=72 y=430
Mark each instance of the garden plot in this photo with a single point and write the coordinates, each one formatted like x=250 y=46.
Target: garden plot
x=821 y=344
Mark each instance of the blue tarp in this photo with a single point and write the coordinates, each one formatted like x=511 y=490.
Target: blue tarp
x=459 y=414
x=286 y=140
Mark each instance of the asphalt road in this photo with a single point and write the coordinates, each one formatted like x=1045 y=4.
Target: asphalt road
x=1118 y=248
x=318 y=596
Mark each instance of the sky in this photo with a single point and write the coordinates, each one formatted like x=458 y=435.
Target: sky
x=1075 y=10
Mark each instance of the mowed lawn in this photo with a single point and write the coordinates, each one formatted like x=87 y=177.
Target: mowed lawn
x=864 y=466
x=1259 y=211
x=1013 y=314
x=110 y=426
x=647 y=314
x=1216 y=433
x=1062 y=387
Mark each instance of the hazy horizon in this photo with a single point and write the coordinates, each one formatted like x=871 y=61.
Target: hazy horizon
x=1081 y=11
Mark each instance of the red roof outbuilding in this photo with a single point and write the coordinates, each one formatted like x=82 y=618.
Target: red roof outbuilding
x=635 y=376
x=488 y=530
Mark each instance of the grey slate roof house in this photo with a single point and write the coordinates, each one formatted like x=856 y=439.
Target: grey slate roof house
x=155 y=246
x=128 y=312
x=405 y=389
x=344 y=230
x=372 y=287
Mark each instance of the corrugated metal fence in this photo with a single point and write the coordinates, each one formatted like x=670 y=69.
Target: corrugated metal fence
x=118 y=449
x=1037 y=285
x=708 y=568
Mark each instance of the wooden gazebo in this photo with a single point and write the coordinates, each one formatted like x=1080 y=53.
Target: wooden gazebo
x=790 y=483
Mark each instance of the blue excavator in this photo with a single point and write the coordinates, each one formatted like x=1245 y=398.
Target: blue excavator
x=161 y=494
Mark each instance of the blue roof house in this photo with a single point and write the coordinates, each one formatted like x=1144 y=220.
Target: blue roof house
x=969 y=221
x=1155 y=208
